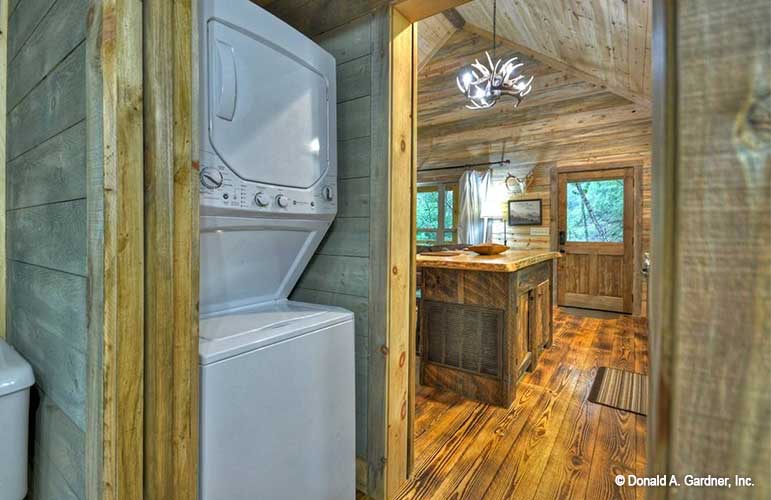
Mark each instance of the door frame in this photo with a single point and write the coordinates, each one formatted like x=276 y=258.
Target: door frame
x=637 y=231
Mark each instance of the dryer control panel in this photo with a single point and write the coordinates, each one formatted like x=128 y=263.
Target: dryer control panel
x=221 y=188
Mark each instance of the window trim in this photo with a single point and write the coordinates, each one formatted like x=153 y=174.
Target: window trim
x=441 y=188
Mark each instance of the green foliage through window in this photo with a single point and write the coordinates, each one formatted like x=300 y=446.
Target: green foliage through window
x=595 y=211
x=437 y=214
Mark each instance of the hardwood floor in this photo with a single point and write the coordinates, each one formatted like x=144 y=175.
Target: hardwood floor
x=552 y=442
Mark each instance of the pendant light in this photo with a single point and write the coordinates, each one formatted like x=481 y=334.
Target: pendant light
x=484 y=85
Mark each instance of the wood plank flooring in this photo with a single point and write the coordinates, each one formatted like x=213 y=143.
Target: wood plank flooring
x=552 y=442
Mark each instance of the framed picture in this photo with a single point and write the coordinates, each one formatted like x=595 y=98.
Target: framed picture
x=524 y=212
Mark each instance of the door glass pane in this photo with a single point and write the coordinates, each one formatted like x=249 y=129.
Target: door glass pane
x=595 y=211
x=449 y=237
x=428 y=210
x=449 y=205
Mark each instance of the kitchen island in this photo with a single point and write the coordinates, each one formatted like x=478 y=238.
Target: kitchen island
x=484 y=320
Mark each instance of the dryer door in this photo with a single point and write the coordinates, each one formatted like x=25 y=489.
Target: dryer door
x=268 y=110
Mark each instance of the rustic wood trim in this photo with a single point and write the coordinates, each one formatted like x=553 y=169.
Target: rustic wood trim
x=415 y=10
x=378 y=255
x=637 y=288
x=3 y=92
x=412 y=356
x=171 y=229
x=663 y=283
x=401 y=247
x=561 y=66
x=114 y=76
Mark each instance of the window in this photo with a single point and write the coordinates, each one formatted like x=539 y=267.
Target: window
x=437 y=214
x=595 y=211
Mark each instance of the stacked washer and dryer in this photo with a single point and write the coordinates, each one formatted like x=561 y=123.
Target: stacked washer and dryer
x=277 y=376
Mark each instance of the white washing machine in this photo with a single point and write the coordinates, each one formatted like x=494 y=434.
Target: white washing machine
x=277 y=377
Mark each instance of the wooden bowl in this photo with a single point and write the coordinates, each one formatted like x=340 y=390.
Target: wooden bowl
x=488 y=248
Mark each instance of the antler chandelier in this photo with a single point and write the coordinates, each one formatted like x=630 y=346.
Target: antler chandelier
x=484 y=85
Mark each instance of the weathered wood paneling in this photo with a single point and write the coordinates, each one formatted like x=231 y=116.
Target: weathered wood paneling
x=353 y=158
x=56 y=104
x=353 y=118
x=348 y=237
x=62 y=29
x=22 y=23
x=52 y=172
x=52 y=236
x=62 y=443
x=46 y=228
x=354 y=79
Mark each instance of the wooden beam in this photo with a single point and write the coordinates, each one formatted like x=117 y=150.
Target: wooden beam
x=561 y=66
x=401 y=299
x=415 y=10
x=114 y=446
x=171 y=229
x=455 y=18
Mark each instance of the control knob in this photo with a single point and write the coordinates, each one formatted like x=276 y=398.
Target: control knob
x=261 y=199
x=328 y=193
x=282 y=201
x=211 y=178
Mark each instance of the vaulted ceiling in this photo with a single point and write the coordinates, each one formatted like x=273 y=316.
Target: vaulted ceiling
x=564 y=117
x=604 y=42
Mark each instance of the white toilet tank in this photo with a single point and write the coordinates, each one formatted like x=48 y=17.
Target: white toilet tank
x=15 y=380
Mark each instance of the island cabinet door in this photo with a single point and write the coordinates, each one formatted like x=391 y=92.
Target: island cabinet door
x=522 y=342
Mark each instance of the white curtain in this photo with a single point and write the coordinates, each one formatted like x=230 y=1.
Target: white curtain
x=473 y=192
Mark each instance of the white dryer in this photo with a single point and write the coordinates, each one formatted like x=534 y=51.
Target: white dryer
x=277 y=377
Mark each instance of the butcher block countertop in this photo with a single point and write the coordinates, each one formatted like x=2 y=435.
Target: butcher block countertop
x=506 y=262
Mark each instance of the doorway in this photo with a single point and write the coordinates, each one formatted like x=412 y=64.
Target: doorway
x=596 y=235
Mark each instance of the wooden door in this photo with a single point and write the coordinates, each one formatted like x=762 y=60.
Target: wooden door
x=523 y=355
x=540 y=319
x=595 y=224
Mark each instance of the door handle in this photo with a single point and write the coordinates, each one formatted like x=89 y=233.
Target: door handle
x=563 y=239
x=227 y=85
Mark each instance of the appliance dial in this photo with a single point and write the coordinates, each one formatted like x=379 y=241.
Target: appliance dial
x=261 y=199
x=328 y=193
x=282 y=201
x=211 y=178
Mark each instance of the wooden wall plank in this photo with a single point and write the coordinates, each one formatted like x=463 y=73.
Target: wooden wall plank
x=348 y=237
x=353 y=118
x=349 y=41
x=353 y=158
x=52 y=236
x=348 y=275
x=58 y=33
x=47 y=323
x=62 y=443
x=354 y=79
x=53 y=106
x=23 y=23
x=354 y=197
x=52 y=172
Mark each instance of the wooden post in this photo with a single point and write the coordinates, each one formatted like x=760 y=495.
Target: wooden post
x=114 y=448
x=171 y=254
x=711 y=274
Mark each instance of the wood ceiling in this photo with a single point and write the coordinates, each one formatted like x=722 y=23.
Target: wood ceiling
x=564 y=118
x=605 y=42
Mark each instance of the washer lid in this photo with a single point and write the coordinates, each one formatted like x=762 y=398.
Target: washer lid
x=15 y=372
x=269 y=110
x=228 y=335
